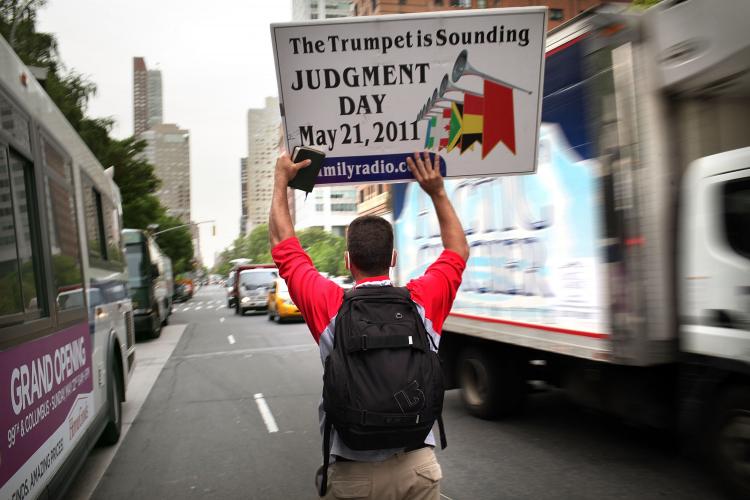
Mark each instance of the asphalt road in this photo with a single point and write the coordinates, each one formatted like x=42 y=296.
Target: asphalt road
x=201 y=433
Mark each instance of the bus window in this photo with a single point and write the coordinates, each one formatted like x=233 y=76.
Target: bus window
x=19 y=262
x=66 y=262
x=112 y=231
x=10 y=300
x=93 y=215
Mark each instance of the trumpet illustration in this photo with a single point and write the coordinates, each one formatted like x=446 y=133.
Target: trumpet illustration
x=486 y=118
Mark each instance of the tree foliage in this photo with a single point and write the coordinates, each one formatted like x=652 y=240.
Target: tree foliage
x=71 y=92
x=325 y=249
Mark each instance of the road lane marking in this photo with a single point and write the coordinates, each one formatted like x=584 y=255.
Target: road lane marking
x=230 y=338
x=265 y=412
x=255 y=350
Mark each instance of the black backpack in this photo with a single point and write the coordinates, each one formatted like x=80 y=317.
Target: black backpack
x=382 y=384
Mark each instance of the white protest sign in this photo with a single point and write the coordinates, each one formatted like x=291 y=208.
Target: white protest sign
x=370 y=91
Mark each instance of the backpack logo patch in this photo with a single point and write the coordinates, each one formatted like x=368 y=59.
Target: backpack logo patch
x=410 y=398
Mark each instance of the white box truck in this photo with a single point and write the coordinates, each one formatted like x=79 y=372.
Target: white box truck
x=620 y=270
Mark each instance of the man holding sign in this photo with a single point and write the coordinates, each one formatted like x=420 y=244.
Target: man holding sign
x=360 y=468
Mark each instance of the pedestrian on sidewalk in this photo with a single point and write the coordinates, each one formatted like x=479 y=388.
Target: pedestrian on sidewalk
x=393 y=473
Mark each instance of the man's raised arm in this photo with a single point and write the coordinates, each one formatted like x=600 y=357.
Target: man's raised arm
x=431 y=181
x=280 y=225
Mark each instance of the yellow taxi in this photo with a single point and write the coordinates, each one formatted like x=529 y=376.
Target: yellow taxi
x=280 y=305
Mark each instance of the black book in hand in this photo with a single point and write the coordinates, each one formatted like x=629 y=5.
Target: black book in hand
x=306 y=176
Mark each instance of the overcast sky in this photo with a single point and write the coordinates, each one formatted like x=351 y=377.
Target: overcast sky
x=216 y=62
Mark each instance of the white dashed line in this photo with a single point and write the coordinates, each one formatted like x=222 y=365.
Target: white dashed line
x=230 y=338
x=265 y=412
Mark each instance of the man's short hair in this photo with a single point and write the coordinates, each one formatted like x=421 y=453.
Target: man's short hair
x=369 y=241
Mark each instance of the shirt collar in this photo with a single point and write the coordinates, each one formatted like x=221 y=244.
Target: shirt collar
x=374 y=281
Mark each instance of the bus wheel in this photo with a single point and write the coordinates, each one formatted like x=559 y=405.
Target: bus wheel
x=492 y=386
x=112 y=431
x=730 y=441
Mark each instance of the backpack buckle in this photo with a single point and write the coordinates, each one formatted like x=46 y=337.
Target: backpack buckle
x=364 y=342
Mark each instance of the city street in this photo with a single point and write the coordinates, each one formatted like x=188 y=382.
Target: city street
x=233 y=414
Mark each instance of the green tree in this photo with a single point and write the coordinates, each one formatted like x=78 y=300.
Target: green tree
x=177 y=244
x=325 y=249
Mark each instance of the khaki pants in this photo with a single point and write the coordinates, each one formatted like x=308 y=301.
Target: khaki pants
x=414 y=475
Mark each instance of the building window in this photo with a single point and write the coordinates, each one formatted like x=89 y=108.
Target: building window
x=556 y=14
x=343 y=207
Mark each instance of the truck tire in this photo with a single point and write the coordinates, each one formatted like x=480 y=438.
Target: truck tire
x=112 y=430
x=730 y=441
x=155 y=332
x=166 y=317
x=492 y=383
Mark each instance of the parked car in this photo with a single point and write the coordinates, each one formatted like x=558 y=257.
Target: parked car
x=229 y=287
x=280 y=305
x=180 y=293
x=252 y=286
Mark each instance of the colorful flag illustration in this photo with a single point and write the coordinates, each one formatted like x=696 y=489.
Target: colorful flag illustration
x=456 y=124
x=429 y=140
x=499 y=120
x=473 y=120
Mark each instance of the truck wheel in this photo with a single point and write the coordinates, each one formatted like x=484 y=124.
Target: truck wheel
x=492 y=384
x=155 y=327
x=111 y=433
x=730 y=441
x=166 y=318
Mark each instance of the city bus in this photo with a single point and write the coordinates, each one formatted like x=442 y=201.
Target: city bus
x=66 y=324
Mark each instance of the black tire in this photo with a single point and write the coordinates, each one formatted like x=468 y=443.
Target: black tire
x=112 y=430
x=492 y=383
x=155 y=332
x=729 y=441
x=166 y=318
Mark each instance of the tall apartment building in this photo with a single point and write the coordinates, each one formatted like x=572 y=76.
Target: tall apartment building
x=147 y=97
x=154 y=101
x=263 y=126
x=168 y=149
x=374 y=199
x=243 y=196
x=140 y=96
